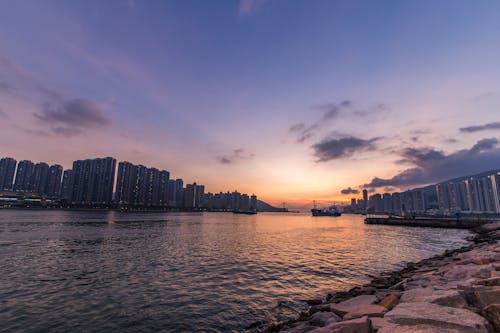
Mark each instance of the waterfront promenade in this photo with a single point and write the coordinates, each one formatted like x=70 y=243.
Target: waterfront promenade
x=458 y=291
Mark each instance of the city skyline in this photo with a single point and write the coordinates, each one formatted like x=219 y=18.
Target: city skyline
x=294 y=101
x=104 y=183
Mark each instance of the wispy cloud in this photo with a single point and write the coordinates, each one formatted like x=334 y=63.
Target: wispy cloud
x=331 y=111
x=235 y=156
x=478 y=128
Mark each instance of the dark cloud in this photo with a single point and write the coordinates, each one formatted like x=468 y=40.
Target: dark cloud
x=477 y=128
x=349 y=190
x=79 y=113
x=332 y=148
x=235 y=156
x=431 y=165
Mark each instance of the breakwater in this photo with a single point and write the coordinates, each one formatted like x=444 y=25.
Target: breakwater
x=427 y=222
x=458 y=291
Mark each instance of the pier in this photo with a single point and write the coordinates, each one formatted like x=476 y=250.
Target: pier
x=428 y=222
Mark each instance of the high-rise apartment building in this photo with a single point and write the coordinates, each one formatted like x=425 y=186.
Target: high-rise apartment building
x=24 y=176
x=138 y=185
x=7 y=171
x=93 y=181
x=40 y=176
x=67 y=185
x=365 y=199
x=53 y=186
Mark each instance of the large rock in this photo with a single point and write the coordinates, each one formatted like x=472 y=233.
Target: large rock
x=441 y=297
x=493 y=281
x=492 y=313
x=382 y=325
x=324 y=318
x=351 y=304
x=464 y=272
x=483 y=296
x=444 y=317
x=359 y=325
x=298 y=328
x=389 y=301
x=371 y=310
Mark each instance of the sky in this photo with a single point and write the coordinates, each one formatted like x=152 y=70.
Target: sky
x=291 y=100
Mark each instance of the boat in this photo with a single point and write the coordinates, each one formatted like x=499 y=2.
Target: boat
x=330 y=211
x=247 y=212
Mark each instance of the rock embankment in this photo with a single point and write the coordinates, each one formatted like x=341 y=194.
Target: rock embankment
x=458 y=291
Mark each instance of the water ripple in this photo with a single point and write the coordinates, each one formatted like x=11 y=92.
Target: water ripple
x=156 y=272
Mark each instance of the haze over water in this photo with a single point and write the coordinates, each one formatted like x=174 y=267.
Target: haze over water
x=215 y=272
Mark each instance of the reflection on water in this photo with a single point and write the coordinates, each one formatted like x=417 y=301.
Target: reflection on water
x=143 y=272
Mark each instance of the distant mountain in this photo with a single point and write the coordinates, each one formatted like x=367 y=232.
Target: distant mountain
x=265 y=207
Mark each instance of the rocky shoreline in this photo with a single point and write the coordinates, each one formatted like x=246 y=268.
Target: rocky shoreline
x=457 y=291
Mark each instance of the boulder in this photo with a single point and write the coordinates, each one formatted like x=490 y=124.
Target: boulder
x=324 y=318
x=371 y=310
x=314 y=301
x=416 y=329
x=351 y=304
x=381 y=325
x=492 y=313
x=493 y=281
x=359 y=325
x=320 y=307
x=298 y=328
x=464 y=272
x=441 y=297
x=483 y=296
x=389 y=301
x=444 y=317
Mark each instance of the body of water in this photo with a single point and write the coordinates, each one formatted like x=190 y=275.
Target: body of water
x=104 y=271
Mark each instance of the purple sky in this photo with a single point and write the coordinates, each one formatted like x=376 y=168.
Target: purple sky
x=292 y=100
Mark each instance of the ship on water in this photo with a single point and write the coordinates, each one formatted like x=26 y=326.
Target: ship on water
x=330 y=211
x=247 y=212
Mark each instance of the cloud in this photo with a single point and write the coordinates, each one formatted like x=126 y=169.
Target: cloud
x=331 y=111
x=431 y=165
x=297 y=127
x=349 y=190
x=64 y=116
x=250 y=7
x=477 y=128
x=72 y=117
x=331 y=148
x=235 y=156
